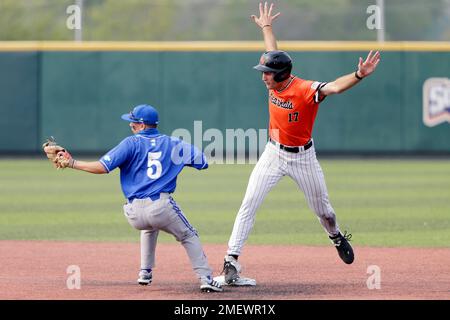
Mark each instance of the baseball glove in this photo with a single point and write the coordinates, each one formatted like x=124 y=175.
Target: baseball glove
x=56 y=154
x=64 y=160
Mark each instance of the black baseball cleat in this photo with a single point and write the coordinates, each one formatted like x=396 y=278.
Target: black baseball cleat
x=343 y=247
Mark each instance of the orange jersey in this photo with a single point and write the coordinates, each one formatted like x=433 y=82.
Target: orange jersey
x=293 y=111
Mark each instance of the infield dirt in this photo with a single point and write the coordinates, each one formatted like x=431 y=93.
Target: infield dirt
x=38 y=270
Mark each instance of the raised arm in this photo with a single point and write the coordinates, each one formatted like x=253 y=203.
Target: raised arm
x=346 y=82
x=264 y=21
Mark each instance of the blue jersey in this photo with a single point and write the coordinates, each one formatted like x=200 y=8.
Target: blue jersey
x=150 y=162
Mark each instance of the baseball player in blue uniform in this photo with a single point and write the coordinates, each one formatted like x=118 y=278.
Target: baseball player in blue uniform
x=149 y=164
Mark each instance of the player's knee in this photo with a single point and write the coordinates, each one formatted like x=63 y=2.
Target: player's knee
x=187 y=234
x=329 y=216
x=249 y=205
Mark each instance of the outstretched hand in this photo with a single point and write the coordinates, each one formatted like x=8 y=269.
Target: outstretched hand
x=265 y=15
x=369 y=65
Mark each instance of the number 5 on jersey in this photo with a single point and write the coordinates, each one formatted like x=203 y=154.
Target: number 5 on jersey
x=154 y=165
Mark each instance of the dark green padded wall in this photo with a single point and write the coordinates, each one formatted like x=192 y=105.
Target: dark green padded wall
x=78 y=97
x=19 y=101
x=84 y=94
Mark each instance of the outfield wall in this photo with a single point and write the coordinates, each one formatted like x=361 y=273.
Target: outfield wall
x=77 y=92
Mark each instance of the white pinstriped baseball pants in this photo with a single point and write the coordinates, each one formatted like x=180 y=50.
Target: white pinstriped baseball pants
x=273 y=164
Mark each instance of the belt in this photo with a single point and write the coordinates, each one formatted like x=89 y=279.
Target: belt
x=292 y=149
x=152 y=197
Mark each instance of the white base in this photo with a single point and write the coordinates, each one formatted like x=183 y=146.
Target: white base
x=242 y=281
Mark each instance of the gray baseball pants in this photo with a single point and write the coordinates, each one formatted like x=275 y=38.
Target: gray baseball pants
x=164 y=214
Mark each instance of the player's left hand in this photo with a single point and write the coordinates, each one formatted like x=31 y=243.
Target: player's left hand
x=369 y=65
x=265 y=15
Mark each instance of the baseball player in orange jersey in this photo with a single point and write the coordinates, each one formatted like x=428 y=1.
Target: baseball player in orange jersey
x=293 y=105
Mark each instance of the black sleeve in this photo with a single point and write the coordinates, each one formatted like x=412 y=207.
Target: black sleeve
x=317 y=86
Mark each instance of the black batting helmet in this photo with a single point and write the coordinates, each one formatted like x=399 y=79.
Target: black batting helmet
x=277 y=62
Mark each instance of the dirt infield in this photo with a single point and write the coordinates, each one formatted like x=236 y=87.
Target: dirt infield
x=38 y=270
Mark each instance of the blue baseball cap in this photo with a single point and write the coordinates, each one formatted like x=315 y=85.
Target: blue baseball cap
x=142 y=113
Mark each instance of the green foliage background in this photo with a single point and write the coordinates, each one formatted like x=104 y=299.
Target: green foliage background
x=175 y=20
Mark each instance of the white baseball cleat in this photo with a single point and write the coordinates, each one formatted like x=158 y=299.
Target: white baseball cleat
x=210 y=285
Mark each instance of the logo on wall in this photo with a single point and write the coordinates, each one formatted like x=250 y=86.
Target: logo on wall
x=436 y=101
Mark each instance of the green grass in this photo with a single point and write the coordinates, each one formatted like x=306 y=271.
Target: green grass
x=382 y=202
